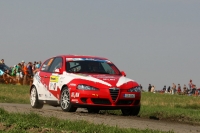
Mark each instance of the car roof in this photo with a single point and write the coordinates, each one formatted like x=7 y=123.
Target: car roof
x=82 y=56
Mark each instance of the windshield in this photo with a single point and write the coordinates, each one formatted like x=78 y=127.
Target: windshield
x=92 y=66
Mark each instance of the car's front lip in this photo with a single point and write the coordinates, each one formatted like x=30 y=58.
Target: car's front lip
x=89 y=97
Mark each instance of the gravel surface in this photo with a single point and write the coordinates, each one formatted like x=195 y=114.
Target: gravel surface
x=111 y=120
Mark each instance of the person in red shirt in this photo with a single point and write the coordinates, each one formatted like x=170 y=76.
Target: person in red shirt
x=179 y=89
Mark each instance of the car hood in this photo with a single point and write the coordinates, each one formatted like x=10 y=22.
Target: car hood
x=108 y=80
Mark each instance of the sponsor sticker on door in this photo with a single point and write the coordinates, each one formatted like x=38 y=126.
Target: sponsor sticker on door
x=54 y=79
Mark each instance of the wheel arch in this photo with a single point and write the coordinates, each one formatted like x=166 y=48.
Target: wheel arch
x=31 y=88
x=63 y=88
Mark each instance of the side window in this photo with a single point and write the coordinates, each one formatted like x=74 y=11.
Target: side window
x=46 y=64
x=57 y=63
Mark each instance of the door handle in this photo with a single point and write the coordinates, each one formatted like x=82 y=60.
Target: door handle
x=45 y=76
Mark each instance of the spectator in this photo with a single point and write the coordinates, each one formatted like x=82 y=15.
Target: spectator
x=173 y=89
x=34 y=66
x=30 y=70
x=149 y=88
x=164 y=88
x=179 y=89
x=153 y=88
x=13 y=71
x=193 y=89
x=25 y=73
x=190 y=84
x=169 y=89
x=18 y=70
x=38 y=64
x=141 y=88
x=185 y=89
x=2 y=61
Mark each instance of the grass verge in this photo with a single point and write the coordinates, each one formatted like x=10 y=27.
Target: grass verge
x=23 y=123
x=180 y=108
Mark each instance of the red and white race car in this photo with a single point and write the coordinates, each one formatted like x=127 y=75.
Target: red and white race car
x=95 y=83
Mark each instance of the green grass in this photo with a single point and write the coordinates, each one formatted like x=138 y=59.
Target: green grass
x=179 y=108
x=15 y=122
x=14 y=94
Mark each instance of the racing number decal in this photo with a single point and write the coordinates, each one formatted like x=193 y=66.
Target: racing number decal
x=53 y=83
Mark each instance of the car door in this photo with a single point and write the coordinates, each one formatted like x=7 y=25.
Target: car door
x=53 y=80
x=44 y=73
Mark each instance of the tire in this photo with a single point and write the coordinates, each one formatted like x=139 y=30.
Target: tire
x=34 y=99
x=65 y=102
x=93 y=110
x=134 y=111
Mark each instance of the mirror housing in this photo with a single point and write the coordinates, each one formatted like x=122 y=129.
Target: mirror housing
x=59 y=71
x=123 y=73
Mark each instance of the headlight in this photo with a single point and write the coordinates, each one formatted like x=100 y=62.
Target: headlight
x=135 y=89
x=86 y=87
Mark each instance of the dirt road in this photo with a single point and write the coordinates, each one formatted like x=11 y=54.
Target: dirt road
x=111 y=120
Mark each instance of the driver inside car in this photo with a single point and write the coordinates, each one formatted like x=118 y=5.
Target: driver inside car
x=94 y=67
x=58 y=66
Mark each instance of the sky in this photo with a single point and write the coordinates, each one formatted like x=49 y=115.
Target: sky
x=153 y=41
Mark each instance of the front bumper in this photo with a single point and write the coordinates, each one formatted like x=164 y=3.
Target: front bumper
x=105 y=99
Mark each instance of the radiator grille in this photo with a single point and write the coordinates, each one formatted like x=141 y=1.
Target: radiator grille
x=114 y=93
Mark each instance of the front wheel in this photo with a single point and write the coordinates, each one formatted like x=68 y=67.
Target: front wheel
x=65 y=102
x=34 y=99
x=134 y=111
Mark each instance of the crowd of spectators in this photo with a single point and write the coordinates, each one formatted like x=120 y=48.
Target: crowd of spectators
x=191 y=89
x=21 y=73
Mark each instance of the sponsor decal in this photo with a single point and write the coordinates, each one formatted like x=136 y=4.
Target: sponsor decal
x=72 y=84
x=74 y=100
x=69 y=59
x=54 y=79
x=86 y=59
x=75 y=94
x=107 y=79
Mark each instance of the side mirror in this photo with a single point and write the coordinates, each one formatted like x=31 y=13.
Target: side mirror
x=59 y=71
x=123 y=73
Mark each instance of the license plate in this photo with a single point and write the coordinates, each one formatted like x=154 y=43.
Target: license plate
x=129 y=95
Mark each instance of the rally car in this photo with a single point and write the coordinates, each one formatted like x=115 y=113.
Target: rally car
x=77 y=81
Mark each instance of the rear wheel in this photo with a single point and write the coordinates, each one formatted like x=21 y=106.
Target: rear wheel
x=34 y=99
x=92 y=110
x=134 y=111
x=65 y=102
